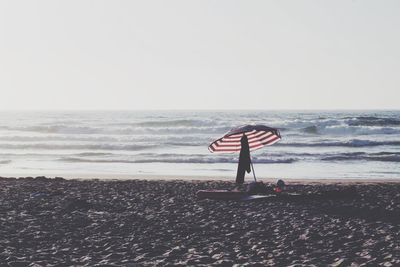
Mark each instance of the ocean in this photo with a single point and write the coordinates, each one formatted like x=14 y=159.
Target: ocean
x=315 y=144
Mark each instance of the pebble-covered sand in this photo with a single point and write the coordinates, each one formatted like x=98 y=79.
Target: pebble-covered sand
x=58 y=222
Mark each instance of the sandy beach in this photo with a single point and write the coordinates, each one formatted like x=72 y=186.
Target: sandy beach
x=131 y=133
x=59 y=222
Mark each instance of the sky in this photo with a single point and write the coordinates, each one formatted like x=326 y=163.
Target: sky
x=225 y=54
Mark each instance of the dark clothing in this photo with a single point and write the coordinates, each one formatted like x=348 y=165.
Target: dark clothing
x=244 y=160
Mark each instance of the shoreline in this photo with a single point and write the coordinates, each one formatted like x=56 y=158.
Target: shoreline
x=201 y=178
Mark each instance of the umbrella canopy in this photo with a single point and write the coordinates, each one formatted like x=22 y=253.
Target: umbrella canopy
x=258 y=136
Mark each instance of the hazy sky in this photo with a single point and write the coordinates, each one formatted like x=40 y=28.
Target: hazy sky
x=199 y=54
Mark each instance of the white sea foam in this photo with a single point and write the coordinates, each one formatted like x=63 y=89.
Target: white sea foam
x=52 y=146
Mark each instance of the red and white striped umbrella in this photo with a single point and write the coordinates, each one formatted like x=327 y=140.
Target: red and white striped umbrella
x=258 y=136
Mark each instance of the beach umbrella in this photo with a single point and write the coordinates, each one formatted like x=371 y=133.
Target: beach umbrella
x=244 y=139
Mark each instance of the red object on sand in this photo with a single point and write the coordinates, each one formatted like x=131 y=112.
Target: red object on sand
x=278 y=190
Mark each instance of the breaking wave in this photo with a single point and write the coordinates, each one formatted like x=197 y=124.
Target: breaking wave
x=161 y=140
x=90 y=130
x=310 y=129
x=342 y=129
x=48 y=146
x=174 y=158
x=201 y=159
x=176 y=123
x=373 y=121
x=350 y=143
x=380 y=156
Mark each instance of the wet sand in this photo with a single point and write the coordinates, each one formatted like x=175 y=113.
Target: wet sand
x=58 y=222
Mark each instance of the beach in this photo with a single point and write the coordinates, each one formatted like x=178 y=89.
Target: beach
x=199 y=133
x=139 y=222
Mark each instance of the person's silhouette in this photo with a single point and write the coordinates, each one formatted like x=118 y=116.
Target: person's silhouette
x=244 y=160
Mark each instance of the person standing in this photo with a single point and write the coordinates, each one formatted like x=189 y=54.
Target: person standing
x=244 y=160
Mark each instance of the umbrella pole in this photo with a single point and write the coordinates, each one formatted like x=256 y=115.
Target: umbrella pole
x=252 y=168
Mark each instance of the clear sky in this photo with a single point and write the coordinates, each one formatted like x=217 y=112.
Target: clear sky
x=199 y=54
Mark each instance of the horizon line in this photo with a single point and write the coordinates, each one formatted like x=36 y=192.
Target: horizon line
x=212 y=109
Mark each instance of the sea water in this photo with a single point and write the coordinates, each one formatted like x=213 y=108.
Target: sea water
x=315 y=144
